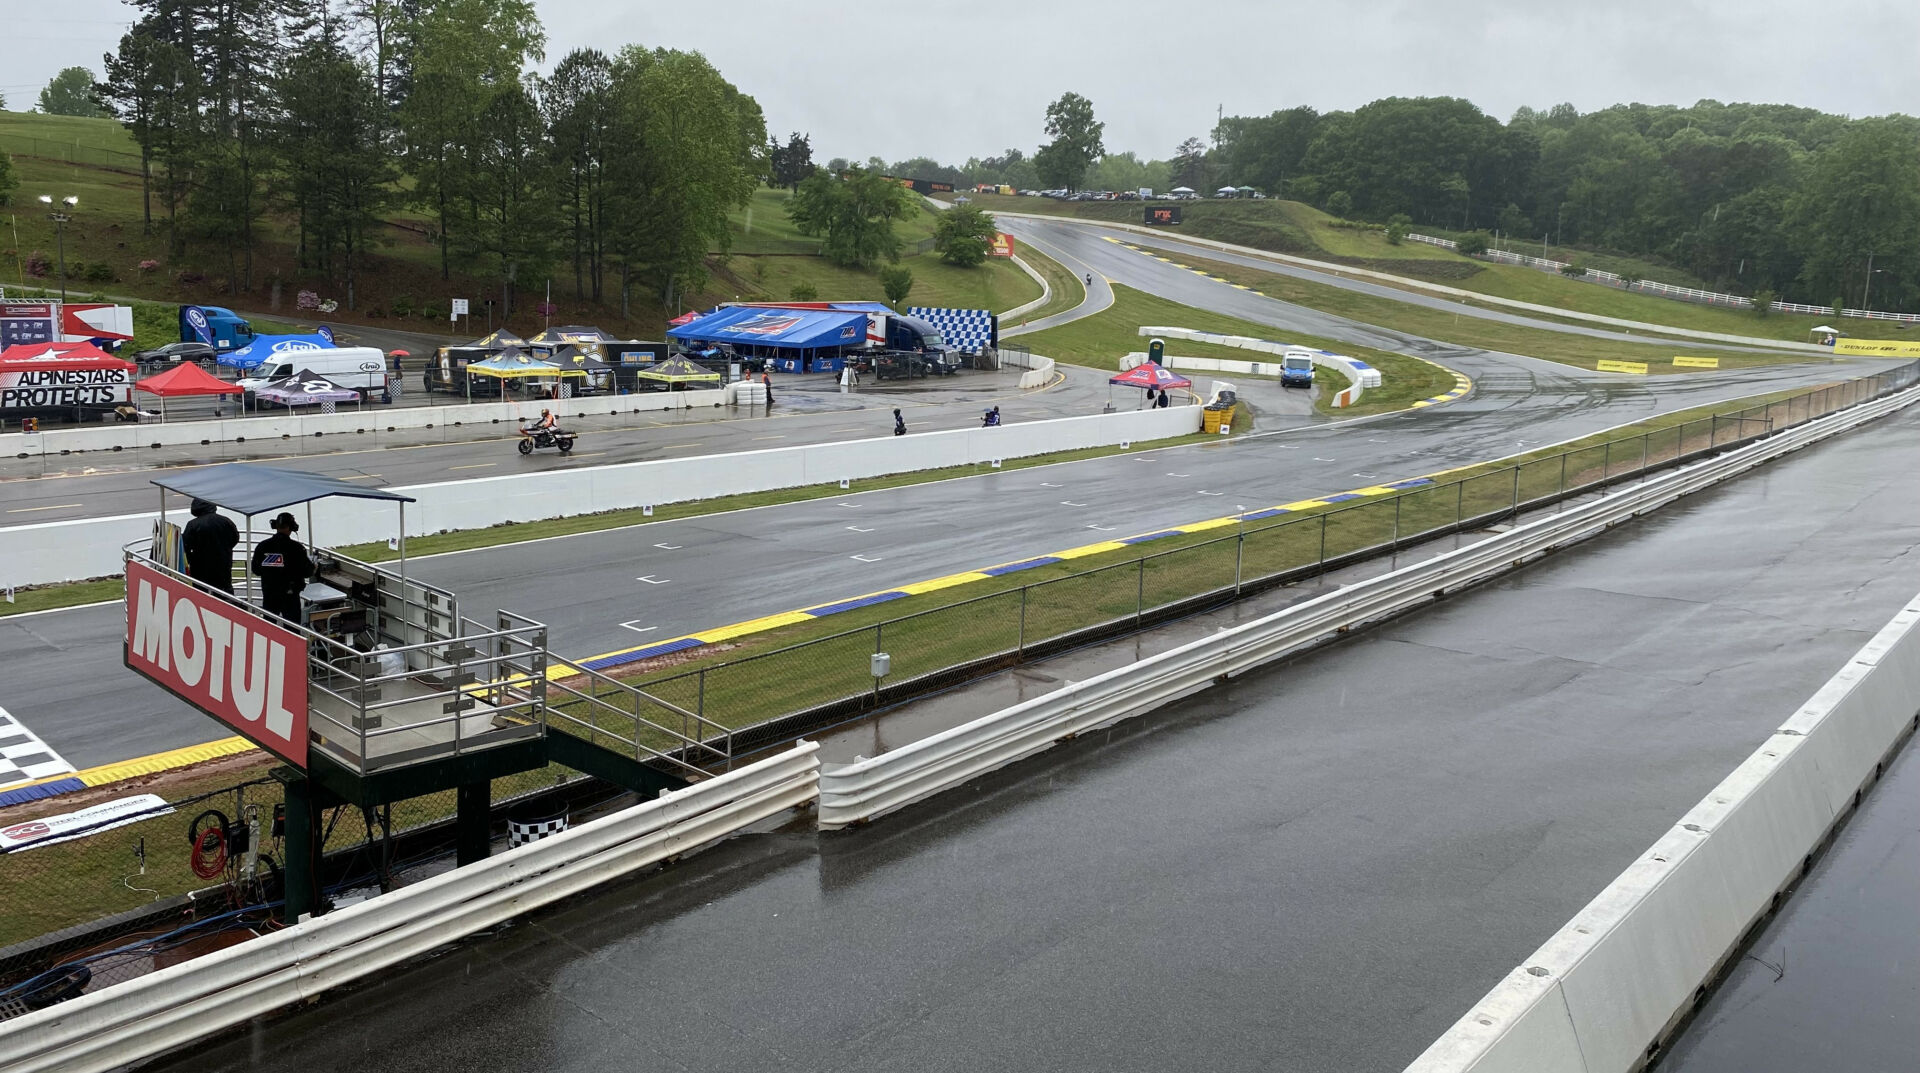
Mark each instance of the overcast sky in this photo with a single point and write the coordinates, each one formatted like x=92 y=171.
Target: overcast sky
x=953 y=80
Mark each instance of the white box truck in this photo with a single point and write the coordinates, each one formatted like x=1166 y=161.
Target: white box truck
x=362 y=368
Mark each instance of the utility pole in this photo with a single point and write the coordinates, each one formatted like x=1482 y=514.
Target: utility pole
x=60 y=218
x=1865 y=288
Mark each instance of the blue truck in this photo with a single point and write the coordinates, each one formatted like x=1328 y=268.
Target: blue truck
x=1296 y=367
x=221 y=329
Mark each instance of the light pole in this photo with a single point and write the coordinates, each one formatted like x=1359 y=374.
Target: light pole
x=60 y=218
x=1867 y=287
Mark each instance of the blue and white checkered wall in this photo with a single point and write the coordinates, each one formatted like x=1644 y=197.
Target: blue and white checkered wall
x=963 y=329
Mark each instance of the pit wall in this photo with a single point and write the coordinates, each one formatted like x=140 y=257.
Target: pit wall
x=84 y=548
x=118 y=436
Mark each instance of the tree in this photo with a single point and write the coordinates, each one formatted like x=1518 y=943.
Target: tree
x=897 y=282
x=854 y=216
x=1397 y=226
x=155 y=89
x=1763 y=300
x=511 y=192
x=803 y=291
x=791 y=162
x=8 y=180
x=577 y=105
x=1474 y=243
x=962 y=235
x=1858 y=213
x=1076 y=141
x=70 y=93
x=338 y=176
x=1340 y=203
x=1190 y=164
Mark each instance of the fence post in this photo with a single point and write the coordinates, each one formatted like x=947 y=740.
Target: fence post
x=1020 y=645
x=879 y=632
x=1396 y=521
x=1606 y=464
x=1516 y=489
x=1323 y=541
x=1459 y=504
x=1239 y=553
x=1140 y=593
x=1563 y=478
x=699 y=702
x=1643 y=454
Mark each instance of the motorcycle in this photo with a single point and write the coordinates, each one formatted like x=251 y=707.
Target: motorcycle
x=541 y=437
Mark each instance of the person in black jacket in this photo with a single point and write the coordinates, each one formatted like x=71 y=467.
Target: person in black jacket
x=283 y=567
x=208 y=541
x=899 y=424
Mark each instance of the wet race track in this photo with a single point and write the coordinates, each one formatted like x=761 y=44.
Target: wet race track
x=1315 y=867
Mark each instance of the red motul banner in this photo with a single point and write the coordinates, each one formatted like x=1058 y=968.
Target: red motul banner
x=1002 y=244
x=244 y=671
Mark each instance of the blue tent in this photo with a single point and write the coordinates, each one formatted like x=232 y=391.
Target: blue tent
x=790 y=329
x=263 y=347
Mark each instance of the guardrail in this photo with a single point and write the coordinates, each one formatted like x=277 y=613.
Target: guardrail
x=860 y=792
x=1665 y=290
x=1046 y=293
x=1603 y=993
x=175 y=1006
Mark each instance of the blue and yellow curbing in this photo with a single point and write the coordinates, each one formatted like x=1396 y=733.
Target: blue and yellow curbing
x=124 y=770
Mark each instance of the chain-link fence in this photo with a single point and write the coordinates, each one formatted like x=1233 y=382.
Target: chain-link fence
x=168 y=880
x=769 y=696
x=70 y=152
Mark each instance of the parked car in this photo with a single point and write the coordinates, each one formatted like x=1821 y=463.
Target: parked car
x=174 y=353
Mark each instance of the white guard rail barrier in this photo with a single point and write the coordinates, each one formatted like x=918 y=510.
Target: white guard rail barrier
x=269 y=426
x=1012 y=316
x=1601 y=995
x=66 y=551
x=1430 y=287
x=147 y=1016
x=1359 y=374
x=861 y=791
x=1039 y=369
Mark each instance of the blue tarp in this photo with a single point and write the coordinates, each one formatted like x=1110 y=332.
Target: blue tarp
x=256 y=353
x=798 y=329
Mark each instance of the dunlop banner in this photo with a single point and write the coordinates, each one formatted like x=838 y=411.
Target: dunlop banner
x=1878 y=348
x=1623 y=367
x=1696 y=363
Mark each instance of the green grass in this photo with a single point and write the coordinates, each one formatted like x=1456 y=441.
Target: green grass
x=1067 y=290
x=1564 y=347
x=1541 y=288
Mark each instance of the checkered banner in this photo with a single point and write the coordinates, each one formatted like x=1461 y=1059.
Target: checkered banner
x=963 y=329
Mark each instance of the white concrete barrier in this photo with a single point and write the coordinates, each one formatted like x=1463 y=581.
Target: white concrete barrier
x=1359 y=374
x=864 y=790
x=1012 y=316
x=270 y=426
x=1039 y=368
x=70 y=550
x=1604 y=991
x=130 y=1022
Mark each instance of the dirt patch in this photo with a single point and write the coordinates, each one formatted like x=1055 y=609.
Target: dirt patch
x=172 y=785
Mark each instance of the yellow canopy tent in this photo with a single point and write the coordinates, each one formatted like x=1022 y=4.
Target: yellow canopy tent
x=676 y=370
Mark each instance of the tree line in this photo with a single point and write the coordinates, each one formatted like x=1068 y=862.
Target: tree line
x=617 y=169
x=1749 y=197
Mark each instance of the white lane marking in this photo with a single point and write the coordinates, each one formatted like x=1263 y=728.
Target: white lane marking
x=1071 y=503
x=844 y=503
x=864 y=559
x=30 y=510
x=1102 y=528
x=1204 y=492
x=759 y=438
x=679 y=446
x=1364 y=476
x=24 y=757
x=649 y=580
x=638 y=629
x=1317 y=458
x=857 y=529
x=1045 y=484
x=476 y=465
x=361 y=477
x=1179 y=474
x=1288 y=446
x=669 y=547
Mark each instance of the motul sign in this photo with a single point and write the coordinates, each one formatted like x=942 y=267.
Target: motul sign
x=238 y=668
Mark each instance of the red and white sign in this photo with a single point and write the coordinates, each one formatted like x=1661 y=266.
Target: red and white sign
x=93 y=819
x=239 y=668
x=1002 y=244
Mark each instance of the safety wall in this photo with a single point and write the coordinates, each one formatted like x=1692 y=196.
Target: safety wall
x=1608 y=987
x=71 y=550
x=1039 y=369
x=264 y=427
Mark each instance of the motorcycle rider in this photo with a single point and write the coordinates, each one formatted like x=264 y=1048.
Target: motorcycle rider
x=991 y=419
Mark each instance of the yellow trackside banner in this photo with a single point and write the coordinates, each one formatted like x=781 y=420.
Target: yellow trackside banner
x=1623 y=367
x=1879 y=348
x=1696 y=363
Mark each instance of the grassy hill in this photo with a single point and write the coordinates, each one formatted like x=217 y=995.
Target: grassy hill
x=96 y=161
x=1301 y=230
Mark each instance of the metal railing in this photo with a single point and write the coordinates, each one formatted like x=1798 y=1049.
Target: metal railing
x=1666 y=290
x=615 y=715
x=786 y=691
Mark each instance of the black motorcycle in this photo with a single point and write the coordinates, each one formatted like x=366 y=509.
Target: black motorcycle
x=542 y=437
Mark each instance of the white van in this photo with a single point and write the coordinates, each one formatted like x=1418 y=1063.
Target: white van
x=362 y=368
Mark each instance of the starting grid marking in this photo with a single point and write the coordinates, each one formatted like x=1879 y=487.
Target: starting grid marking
x=624 y=656
x=1461 y=384
x=24 y=758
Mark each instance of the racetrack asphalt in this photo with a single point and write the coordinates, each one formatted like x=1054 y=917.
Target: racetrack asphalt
x=1315 y=867
x=617 y=589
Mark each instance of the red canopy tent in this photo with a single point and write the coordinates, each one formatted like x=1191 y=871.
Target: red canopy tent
x=184 y=379
x=54 y=357
x=685 y=318
x=1150 y=375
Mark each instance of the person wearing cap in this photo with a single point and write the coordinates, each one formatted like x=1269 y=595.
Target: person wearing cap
x=283 y=567
x=208 y=541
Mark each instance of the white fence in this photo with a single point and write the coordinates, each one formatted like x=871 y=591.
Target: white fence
x=174 y=1006
x=1359 y=374
x=266 y=427
x=859 y=792
x=1609 y=985
x=1039 y=369
x=84 y=548
x=1667 y=290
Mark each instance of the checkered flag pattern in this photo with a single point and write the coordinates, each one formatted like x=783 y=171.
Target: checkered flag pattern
x=24 y=757
x=519 y=834
x=963 y=329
